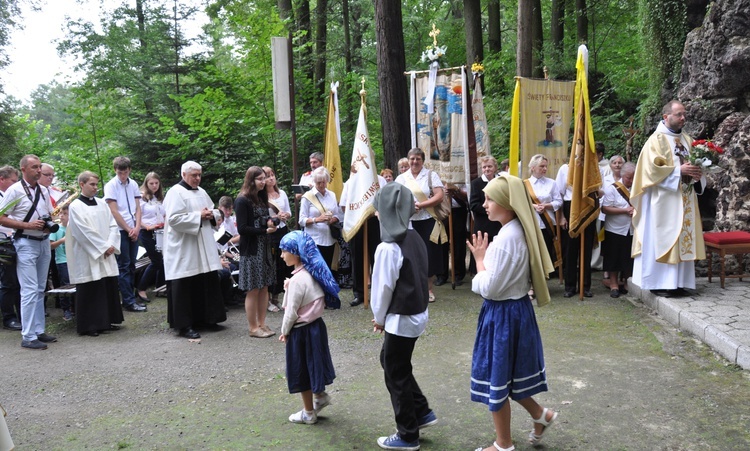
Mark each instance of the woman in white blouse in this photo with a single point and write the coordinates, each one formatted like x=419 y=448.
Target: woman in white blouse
x=546 y=199
x=418 y=179
x=318 y=211
x=152 y=221
x=279 y=202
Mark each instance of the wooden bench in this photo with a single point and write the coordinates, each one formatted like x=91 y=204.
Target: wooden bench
x=70 y=290
x=723 y=243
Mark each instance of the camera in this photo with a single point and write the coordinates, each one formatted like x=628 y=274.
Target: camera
x=49 y=224
x=276 y=221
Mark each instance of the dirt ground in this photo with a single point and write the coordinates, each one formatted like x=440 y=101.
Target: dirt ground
x=620 y=378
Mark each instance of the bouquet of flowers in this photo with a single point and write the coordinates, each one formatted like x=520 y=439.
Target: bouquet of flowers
x=705 y=154
x=433 y=53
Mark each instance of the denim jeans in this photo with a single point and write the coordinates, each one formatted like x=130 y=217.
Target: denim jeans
x=32 y=268
x=126 y=265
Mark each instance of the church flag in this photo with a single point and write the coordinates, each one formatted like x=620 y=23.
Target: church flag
x=331 y=154
x=583 y=171
x=363 y=181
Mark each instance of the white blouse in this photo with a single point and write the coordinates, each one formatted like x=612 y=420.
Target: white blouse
x=320 y=232
x=546 y=191
x=423 y=182
x=506 y=262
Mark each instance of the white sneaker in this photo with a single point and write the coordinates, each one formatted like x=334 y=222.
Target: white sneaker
x=321 y=401
x=303 y=417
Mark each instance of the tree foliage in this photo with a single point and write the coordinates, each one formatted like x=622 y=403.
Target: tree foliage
x=152 y=94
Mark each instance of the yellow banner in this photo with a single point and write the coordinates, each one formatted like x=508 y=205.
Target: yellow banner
x=331 y=154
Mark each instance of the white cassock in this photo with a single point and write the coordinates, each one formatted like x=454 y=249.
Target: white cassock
x=189 y=246
x=191 y=260
x=91 y=231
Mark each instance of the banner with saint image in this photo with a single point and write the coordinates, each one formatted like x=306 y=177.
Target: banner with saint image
x=442 y=132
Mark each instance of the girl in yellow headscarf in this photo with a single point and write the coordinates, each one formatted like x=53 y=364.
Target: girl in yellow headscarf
x=508 y=359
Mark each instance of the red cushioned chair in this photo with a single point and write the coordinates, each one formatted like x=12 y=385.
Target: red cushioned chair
x=723 y=243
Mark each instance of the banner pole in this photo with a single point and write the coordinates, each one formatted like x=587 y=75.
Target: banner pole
x=580 y=265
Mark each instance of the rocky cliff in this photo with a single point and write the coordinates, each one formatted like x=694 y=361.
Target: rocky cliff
x=715 y=89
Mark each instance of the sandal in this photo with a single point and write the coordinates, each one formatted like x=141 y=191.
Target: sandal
x=534 y=439
x=272 y=308
x=498 y=448
x=431 y=298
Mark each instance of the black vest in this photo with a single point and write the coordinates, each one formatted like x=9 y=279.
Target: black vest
x=411 y=294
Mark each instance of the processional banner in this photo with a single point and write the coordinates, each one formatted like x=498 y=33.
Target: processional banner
x=544 y=109
x=442 y=132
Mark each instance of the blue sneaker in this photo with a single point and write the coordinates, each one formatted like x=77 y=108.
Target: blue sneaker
x=396 y=442
x=428 y=420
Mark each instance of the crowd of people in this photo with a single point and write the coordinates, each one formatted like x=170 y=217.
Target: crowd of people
x=201 y=250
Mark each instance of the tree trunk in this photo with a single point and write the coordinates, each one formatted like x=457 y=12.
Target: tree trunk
x=394 y=105
x=557 y=27
x=473 y=27
x=348 y=125
x=523 y=46
x=321 y=38
x=537 y=33
x=143 y=43
x=305 y=32
x=285 y=9
x=582 y=22
x=494 y=37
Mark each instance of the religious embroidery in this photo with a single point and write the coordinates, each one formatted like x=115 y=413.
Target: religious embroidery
x=686 y=242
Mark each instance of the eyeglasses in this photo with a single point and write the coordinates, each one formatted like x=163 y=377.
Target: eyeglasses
x=48 y=175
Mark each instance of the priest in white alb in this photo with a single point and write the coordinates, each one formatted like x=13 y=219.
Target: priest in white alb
x=668 y=235
x=191 y=262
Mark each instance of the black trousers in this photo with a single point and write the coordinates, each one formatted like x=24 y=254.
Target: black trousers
x=409 y=404
x=357 y=246
x=10 y=293
x=459 y=245
x=572 y=252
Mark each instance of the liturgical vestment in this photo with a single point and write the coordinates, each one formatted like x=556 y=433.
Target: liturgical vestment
x=667 y=230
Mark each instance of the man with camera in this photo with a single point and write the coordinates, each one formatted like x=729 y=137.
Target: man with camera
x=30 y=217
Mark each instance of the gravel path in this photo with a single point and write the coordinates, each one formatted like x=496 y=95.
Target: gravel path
x=620 y=378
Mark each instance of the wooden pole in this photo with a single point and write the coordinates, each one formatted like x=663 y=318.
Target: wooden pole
x=452 y=253
x=580 y=265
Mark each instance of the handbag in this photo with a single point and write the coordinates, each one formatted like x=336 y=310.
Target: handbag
x=443 y=209
x=8 y=254
x=336 y=228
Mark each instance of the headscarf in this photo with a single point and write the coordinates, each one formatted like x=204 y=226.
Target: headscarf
x=395 y=205
x=508 y=191
x=301 y=244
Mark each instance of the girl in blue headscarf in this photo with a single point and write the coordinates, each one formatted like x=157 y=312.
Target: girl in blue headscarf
x=308 y=360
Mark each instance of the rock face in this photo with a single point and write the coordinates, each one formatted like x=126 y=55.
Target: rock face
x=715 y=89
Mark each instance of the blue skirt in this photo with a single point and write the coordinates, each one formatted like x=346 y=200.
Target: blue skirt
x=308 y=359
x=508 y=358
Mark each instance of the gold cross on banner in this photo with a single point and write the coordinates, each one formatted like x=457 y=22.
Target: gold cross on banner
x=434 y=34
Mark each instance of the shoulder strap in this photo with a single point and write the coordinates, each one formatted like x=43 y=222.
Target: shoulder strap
x=31 y=210
x=313 y=198
x=623 y=190
x=545 y=217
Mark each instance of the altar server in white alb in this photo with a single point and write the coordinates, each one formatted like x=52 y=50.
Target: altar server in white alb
x=191 y=263
x=668 y=236
x=91 y=240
